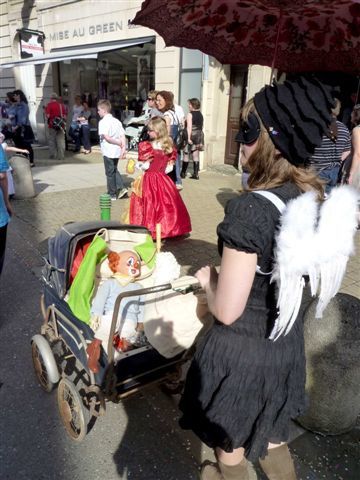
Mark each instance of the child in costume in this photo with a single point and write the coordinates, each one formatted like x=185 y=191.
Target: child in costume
x=155 y=198
x=126 y=268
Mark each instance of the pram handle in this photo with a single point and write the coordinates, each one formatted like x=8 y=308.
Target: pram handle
x=185 y=285
x=181 y=285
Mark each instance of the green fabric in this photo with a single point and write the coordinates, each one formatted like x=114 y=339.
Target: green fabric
x=147 y=250
x=82 y=288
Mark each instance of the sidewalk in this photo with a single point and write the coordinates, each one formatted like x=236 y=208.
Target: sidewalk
x=69 y=191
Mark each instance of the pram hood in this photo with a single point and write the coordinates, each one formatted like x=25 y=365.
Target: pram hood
x=61 y=249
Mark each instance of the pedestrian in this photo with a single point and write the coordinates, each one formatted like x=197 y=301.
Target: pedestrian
x=5 y=207
x=242 y=388
x=56 y=118
x=83 y=120
x=23 y=133
x=155 y=199
x=8 y=115
x=335 y=147
x=151 y=101
x=165 y=103
x=112 y=144
x=74 y=131
x=194 y=126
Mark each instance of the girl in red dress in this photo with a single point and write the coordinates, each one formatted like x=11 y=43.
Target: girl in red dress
x=155 y=198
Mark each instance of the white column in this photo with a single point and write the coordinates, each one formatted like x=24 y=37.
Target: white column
x=25 y=81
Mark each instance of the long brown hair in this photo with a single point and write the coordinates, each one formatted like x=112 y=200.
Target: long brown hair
x=169 y=100
x=269 y=169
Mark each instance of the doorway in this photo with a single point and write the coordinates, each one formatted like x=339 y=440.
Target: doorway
x=238 y=83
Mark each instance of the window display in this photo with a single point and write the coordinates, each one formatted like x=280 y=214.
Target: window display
x=123 y=76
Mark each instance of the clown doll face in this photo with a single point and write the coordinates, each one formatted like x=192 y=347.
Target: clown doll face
x=128 y=264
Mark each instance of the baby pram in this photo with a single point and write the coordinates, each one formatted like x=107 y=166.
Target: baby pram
x=59 y=352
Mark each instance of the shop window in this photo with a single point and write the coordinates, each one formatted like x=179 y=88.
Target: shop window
x=124 y=76
x=190 y=76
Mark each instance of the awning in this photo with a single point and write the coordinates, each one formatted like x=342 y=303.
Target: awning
x=70 y=53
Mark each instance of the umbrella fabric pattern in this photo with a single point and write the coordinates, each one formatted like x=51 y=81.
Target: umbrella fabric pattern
x=290 y=35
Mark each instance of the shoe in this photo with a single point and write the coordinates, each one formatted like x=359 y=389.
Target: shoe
x=179 y=186
x=113 y=199
x=86 y=152
x=32 y=165
x=278 y=463
x=122 y=193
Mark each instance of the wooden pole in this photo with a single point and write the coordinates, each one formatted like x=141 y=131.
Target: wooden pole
x=158 y=237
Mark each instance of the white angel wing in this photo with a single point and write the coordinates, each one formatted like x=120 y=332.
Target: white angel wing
x=334 y=242
x=319 y=248
x=293 y=258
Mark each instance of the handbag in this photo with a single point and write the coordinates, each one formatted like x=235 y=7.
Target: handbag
x=181 y=138
x=130 y=166
x=59 y=124
x=25 y=133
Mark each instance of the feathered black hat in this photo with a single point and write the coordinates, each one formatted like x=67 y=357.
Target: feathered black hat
x=296 y=115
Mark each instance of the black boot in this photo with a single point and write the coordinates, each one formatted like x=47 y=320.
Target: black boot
x=195 y=175
x=183 y=169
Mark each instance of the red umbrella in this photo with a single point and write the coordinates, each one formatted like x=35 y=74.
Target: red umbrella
x=290 y=35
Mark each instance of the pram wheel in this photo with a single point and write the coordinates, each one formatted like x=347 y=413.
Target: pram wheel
x=44 y=363
x=72 y=411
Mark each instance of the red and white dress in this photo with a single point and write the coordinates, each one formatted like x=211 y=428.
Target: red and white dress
x=157 y=200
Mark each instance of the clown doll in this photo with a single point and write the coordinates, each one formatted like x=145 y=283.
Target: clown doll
x=125 y=267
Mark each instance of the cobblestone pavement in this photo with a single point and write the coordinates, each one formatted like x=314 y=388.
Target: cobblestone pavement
x=70 y=192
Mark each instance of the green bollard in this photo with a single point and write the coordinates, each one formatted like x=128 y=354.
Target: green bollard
x=105 y=206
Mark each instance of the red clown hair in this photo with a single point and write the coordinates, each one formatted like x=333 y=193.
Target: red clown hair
x=113 y=259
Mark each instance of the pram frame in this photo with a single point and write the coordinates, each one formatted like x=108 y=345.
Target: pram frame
x=115 y=381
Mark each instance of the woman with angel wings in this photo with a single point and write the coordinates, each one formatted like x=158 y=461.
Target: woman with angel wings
x=247 y=378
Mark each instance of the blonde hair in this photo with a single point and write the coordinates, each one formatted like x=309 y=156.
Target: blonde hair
x=269 y=169
x=152 y=94
x=158 y=125
x=105 y=104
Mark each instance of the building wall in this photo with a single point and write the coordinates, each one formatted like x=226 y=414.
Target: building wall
x=71 y=23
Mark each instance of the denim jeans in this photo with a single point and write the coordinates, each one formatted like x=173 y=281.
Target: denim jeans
x=175 y=174
x=330 y=175
x=85 y=136
x=113 y=177
x=75 y=134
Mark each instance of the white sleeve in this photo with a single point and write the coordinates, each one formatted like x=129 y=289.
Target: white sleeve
x=102 y=129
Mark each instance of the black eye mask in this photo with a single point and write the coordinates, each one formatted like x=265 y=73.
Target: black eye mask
x=249 y=130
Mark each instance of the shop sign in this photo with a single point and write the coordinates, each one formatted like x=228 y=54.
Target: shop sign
x=31 y=43
x=92 y=30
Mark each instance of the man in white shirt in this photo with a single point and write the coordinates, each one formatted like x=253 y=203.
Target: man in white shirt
x=112 y=144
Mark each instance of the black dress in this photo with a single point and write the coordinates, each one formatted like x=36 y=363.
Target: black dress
x=242 y=389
